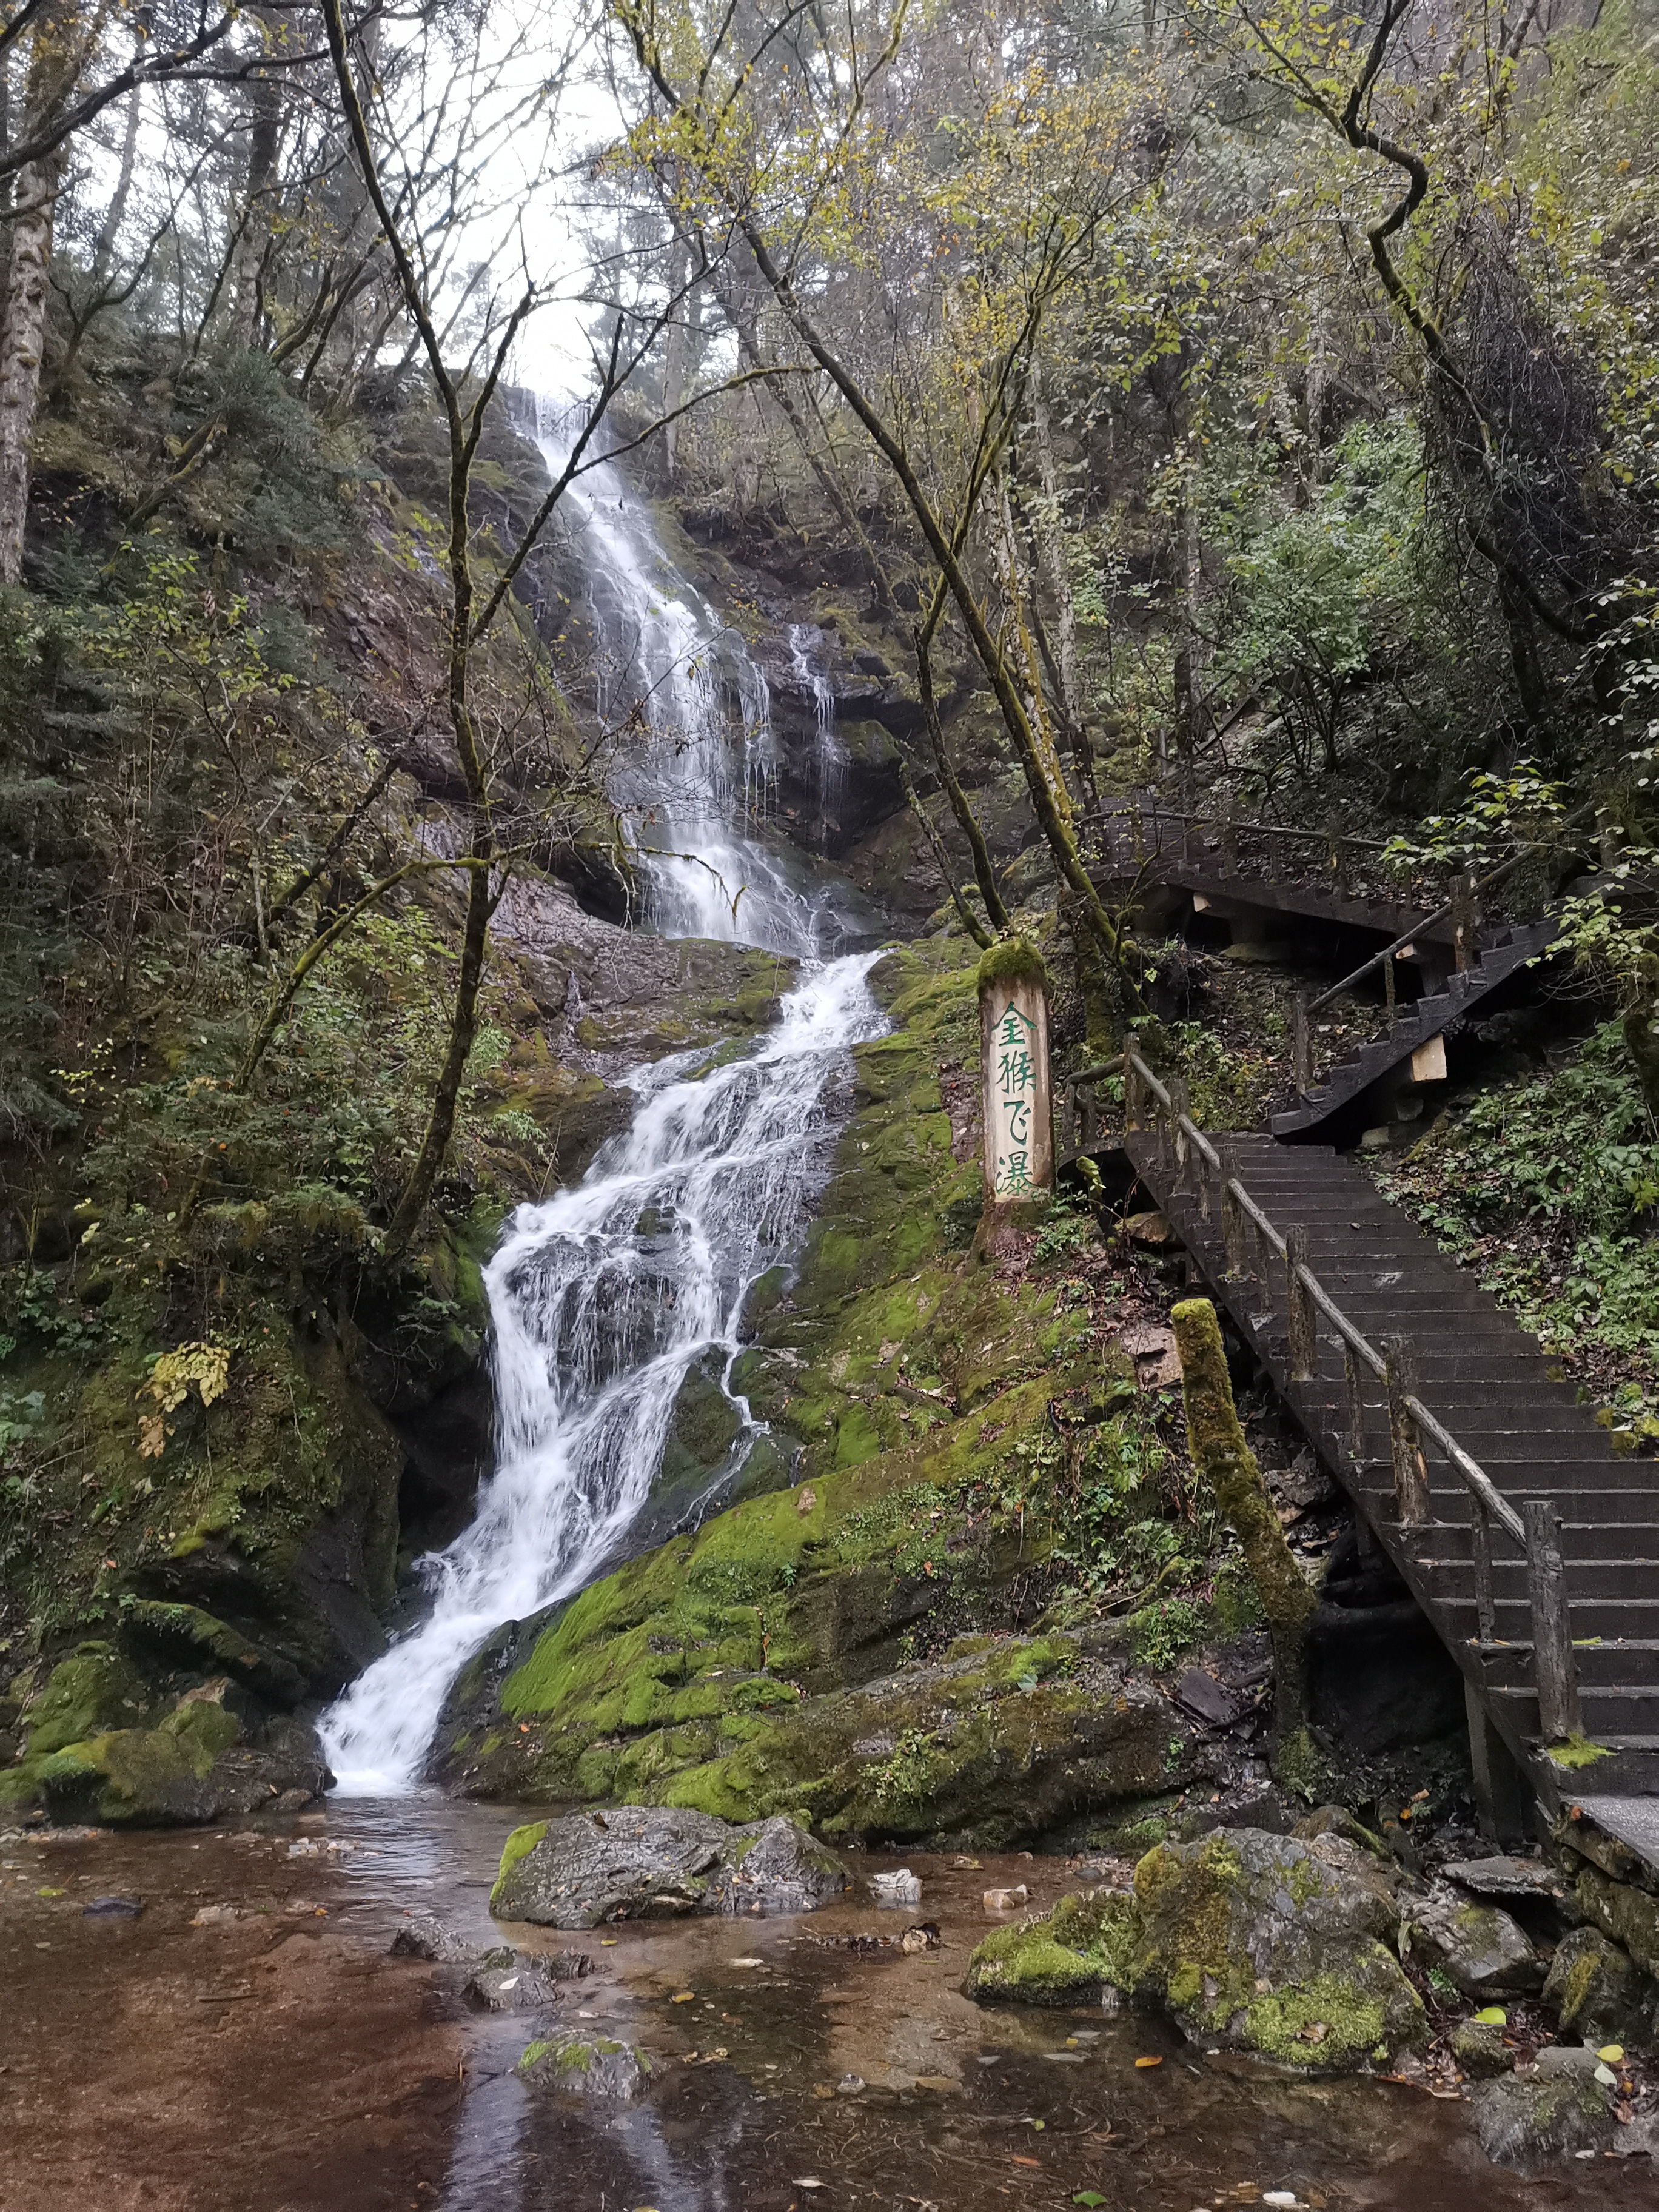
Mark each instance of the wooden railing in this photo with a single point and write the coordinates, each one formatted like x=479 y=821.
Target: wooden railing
x=1253 y=1246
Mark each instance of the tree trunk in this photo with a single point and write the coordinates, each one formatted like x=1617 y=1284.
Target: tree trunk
x=27 y=291
x=115 y=214
x=53 y=67
x=677 y=372
x=1049 y=540
x=1225 y=1463
x=264 y=126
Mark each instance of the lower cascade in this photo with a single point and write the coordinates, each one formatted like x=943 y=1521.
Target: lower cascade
x=602 y=1299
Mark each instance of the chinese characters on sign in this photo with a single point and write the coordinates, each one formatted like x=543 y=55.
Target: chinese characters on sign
x=1015 y=1086
x=1018 y=1139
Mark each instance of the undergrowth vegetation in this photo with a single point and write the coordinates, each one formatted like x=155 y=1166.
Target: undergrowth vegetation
x=1547 y=1186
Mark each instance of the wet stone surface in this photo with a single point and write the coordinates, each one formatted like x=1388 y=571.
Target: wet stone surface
x=248 y=2043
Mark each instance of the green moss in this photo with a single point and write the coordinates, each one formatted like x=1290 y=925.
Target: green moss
x=1067 y=1958
x=1330 y=2021
x=1011 y=960
x=1576 y=1751
x=95 y=1690
x=519 y=1845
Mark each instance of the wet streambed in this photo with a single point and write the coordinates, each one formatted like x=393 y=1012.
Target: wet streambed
x=246 y=2044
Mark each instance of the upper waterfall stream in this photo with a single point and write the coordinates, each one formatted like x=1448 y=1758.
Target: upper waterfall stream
x=602 y=1298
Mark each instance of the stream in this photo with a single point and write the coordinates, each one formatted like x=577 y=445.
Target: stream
x=246 y=2044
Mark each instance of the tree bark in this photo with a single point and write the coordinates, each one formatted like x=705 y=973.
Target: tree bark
x=28 y=288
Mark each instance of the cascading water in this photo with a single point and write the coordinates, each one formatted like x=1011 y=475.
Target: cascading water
x=603 y=1298
x=829 y=764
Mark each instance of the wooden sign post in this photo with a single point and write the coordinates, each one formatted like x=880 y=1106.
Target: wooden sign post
x=1014 y=1028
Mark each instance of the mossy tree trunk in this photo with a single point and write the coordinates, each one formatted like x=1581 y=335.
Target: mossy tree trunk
x=1225 y=1463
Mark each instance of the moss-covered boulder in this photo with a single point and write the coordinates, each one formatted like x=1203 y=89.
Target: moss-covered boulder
x=642 y=1862
x=1479 y=2048
x=1249 y=1941
x=185 y=1635
x=1070 y=1956
x=194 y=1765
x=588 y=2066
x=1599 y=1993
x=1269 y=1944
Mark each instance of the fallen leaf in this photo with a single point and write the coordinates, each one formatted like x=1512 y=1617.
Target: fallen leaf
x=1149 y=2062
x=1089 y=2196
x=1611 y=2053
x=1492 y=2016
x=685 y=1996
x=1016 y=2160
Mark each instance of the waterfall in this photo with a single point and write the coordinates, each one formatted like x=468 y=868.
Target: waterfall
x=602 y=1298
x=829 y=759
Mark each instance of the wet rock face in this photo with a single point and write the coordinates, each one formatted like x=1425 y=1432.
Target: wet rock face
x=1251 y=1942
x=647 y=1862
x=1479 y=1947
x=1532 y=2124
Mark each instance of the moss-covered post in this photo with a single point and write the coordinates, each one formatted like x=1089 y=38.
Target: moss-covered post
x=1013 y=1030
x=1225 y=1463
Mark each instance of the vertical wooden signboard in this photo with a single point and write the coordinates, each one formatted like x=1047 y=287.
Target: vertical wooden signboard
x=1014 y=1022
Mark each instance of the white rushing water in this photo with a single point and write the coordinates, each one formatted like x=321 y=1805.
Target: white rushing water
x=604 y=1297
x=806 y=641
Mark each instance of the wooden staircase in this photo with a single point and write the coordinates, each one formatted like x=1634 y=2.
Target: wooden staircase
x=1429 y=1017
x=1532 y=1547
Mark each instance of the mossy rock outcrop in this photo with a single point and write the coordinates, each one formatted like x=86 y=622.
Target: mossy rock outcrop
x=1250 y=1941
x=96 y=1689
x=194 y=1765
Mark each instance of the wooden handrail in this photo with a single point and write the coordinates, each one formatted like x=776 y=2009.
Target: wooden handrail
x=1155 y=813
x=1555 y=1669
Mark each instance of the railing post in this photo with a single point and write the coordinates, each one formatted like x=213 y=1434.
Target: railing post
x=1131 y=1090
x=1303 y=1314
x=1388 y=990
x=1232 y=1215
x=1354 y=1376
x=1463 y=919
x=1301 y=1047
x=1410 y=1476
x=1554 y=1668
x=1179 y=1104
x=1486 y=1615
x=1086 y=1116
